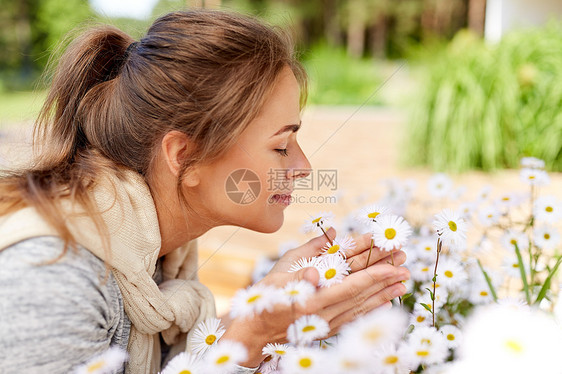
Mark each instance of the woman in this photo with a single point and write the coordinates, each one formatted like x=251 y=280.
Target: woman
x=136 y=141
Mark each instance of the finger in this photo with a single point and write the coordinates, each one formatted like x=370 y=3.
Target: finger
x=359 y=261
x=354 y=284
x=380 y=299
x=357 y=298
x=397 y=258
x=362 y=242
x=314 y=246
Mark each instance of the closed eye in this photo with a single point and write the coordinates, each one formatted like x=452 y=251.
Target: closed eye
x=282 y=152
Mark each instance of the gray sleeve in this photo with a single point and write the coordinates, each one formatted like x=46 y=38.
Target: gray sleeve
x=53 y=317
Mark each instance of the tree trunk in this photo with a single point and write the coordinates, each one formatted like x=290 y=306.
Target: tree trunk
x=476 y=16
x=331 y=23
x=378 y=37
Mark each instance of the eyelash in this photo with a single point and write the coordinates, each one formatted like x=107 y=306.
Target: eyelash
x=282 y=152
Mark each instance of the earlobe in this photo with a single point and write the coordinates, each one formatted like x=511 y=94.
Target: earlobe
x=176 y=147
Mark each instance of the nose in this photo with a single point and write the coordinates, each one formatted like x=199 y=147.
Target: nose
x=300 y=167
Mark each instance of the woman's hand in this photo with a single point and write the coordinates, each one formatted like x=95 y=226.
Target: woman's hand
x=365 y=289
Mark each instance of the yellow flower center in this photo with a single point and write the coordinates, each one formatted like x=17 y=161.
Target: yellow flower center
x=308 y=328
x=515 y=266
x=426 y=341
x=490 y=215
x=350 y=364
x=513 y=241
x=428 y=248
x=420 y=319
x=373 y=215
x=316 y=220
x=483 y=293
x=223 y=359
x=373 y=334
x=95 y=366
x=390 y=233
x=514 y=346
x=280 y=352
x=452 y=226
x=422 y=353
x=305 y=362
x=391 y=359
x=330 y=273
x=450 y=337
x=210 y=339
x=253 y=299
x=185 y=372
x=333 y=249
x=505 y=198
x=547 y=236
x=549 y=209
x=425 y=269
x=293 y=292
x=448 y=274
x=531 y=177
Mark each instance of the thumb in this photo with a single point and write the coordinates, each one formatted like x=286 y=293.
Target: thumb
x=308 y=274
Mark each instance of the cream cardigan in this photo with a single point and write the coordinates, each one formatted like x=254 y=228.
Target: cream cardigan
x=127 y=208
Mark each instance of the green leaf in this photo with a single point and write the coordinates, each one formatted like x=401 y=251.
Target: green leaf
x=406 y=296
x=546 y=285
x=431 y=294
x=489 y=281
x=523 y=274
x=427 y=307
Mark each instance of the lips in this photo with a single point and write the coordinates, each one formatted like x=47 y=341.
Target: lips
x=284 y=199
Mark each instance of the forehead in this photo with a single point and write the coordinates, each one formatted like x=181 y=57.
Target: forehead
x=281 y=107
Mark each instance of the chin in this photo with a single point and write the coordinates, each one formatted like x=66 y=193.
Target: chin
x=266 y=224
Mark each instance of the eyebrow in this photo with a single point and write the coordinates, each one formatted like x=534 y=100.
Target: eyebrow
x=294 y=128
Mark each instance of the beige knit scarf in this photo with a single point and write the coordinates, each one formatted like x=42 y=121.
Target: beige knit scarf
x=171 y=308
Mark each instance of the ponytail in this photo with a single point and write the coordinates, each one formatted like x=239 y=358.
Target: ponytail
x=66 y=164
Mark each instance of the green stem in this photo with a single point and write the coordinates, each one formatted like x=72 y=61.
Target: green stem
x=439 y=244
x=370 y=250
x=523 y=274
x=489 y=281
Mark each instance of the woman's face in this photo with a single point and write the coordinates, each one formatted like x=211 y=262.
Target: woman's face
x=251 y=185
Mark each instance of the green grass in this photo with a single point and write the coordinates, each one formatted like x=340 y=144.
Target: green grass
x=20 y=106
x=336 y=79
x=484 y=106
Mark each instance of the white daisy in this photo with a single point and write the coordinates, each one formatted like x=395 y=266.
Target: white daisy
x=546 y=237
x=427 y=248
x=182 y=363
x=316 y=222
x=547 y=209
x=420 y=316
x=304 y=360
x=349 y=360
x=534 y=177
x=510 y=265
x=276 y=349
x=298 y=292
x=224 y=356
x=108 y=362
x=340 y=245
x=441 y=294
x=439 y=185
x=421 y=271
x=451 y=229
x=480 y=293
x=391 y=232
x=270 y=365
x=489 y=216
x=532 y=162
x=427 y=346
x=510 y=200
x=332 y=270
x=451 y=274
x=305 y=263
x=452 y=334
x=381 y=326
x=484 y=193
x=306 y=329
x=206 y=334
x=253 y=300
x=389 y=359
x=512 y=237
x=371 y=213
x=466 y=210
x=507 y=340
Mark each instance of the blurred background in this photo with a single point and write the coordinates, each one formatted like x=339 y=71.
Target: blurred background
x=398 y=89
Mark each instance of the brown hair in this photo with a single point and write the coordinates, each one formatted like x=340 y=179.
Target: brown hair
x=203 y=73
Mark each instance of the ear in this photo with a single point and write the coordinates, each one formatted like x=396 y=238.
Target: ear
x=176 y=147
